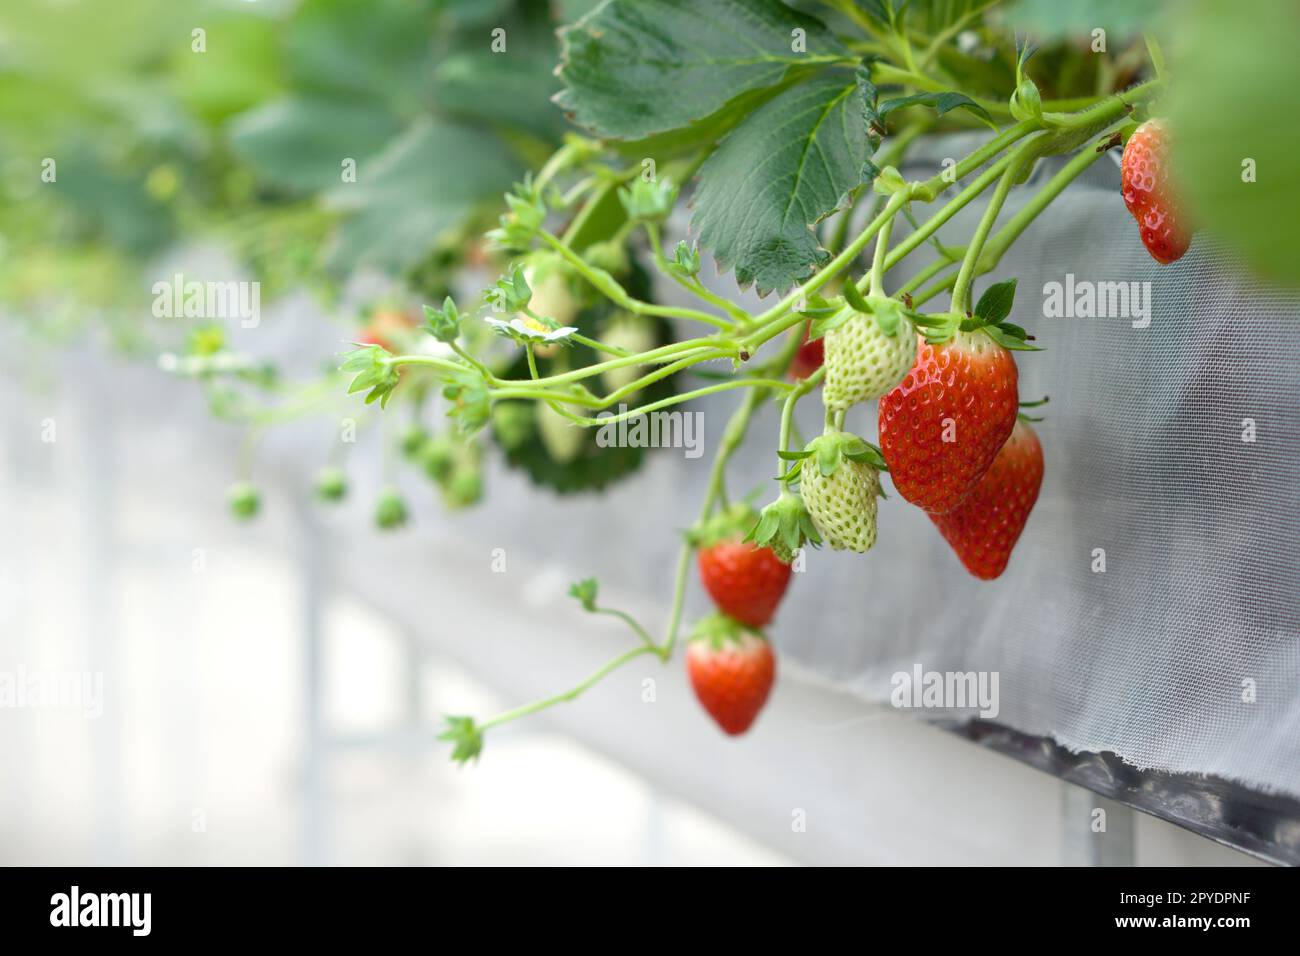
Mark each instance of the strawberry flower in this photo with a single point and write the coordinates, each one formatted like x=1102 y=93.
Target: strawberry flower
x=525 y=328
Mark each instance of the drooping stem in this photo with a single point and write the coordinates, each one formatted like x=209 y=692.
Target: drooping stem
x=573 y=692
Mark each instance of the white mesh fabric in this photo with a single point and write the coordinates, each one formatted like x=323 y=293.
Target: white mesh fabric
x=1144 y=459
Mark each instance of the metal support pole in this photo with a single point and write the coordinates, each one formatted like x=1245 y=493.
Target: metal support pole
x=1095 y=830
x=314 y=851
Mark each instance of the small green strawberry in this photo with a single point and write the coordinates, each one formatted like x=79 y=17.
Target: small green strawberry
x=634 y=333
x=866 y=354
x=465 y=488
x=390 y=511
x=512 y=423
x=839 y=481
x=331 y=484
x=245 y=500
x=413 y=440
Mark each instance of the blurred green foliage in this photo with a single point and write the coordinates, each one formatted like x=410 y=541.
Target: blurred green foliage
x=241 y=132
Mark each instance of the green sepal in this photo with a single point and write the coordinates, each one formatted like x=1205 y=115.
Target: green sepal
x=444 y=323
x=510 y=293
x=686 y=260
x=466 y=737
x=940 y=327
x=785 y=526
x=828 y=323
x=648 y=200
x=730 y=524
x=584 y=592
x=888 y=314
x=995 y=304
x=834 y=447
x=718 y=630
x=517 y=228
x=816 y=307
x=471 y=407
x=374 y=374
x=1008 y=339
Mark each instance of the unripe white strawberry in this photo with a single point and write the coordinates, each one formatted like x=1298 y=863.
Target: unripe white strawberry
x=633 y=333
x=563 y=438
x=862 y=362
x=839 y=485
x=550 y=279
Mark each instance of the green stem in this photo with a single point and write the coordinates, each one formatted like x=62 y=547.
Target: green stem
x=877 y=275
x=608 y=286
x=1024 y=155
x=693 y=286
x=787 y=410
x=572 y=693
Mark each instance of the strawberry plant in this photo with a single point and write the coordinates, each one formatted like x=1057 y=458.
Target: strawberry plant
x=782 y=132
x=760 y=139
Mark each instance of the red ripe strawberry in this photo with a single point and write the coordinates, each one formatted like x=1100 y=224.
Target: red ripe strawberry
x=941 y=428
x=385 y=328
x=731 y=668
x=984 y=528
x=1150 y=196
x=809 y=357
x=745 y=580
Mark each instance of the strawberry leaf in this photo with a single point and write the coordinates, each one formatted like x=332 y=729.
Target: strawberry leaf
x=942 y=103
x=816 y=141
x=632 y=68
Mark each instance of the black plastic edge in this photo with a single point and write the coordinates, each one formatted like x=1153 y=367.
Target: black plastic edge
x=1264 y=825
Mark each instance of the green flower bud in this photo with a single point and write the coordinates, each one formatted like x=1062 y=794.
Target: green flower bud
x=331 y=484
x=245 y=500
x=390 y=512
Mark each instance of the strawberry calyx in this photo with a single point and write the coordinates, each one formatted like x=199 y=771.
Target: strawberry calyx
x=989 y=317
x=1037 y=404
x=785 y=526
x=718 y=630
x=732 y=523
x=826 y=315
x=465 y=736
x=831 y=449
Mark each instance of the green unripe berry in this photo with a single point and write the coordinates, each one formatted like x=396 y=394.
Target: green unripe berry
x=331 y=484
x=464 y=489
x=438 y=457
x=390 y=512
x=413 y=440
x=245 y=500
x=512 y=423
